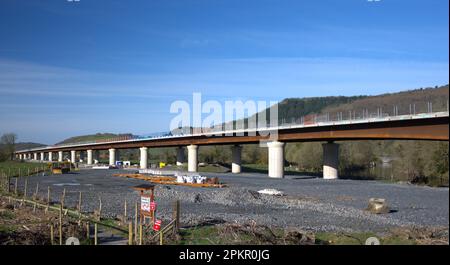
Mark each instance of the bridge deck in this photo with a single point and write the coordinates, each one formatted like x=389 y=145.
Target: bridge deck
x=424 y=126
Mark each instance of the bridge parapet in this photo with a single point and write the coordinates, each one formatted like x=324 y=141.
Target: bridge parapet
x=362 y=116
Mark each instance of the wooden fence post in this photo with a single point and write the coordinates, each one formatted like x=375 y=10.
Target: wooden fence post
x=125 y=212
x=135 y=222
x=63 y=197
x=161 y=237
x=95 y=234
x=140 y=234
x=79 y=203
x=88 y=235
x=130 y=233
x=37 y=190
x=176 y=216
x=60 y=224
x=25 y=189
x=15 y=186
x=52 y=234
x=100 y=209
x=48 y=198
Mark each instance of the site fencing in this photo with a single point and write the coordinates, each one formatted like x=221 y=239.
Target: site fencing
x=137 y=232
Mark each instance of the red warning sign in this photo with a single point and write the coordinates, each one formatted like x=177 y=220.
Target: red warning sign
x=153 y=206
x=157 y=225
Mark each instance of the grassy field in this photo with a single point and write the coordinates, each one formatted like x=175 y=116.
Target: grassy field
x=18 y=168
x=223 y=235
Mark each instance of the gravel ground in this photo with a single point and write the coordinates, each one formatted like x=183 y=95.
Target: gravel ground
x=309 y=203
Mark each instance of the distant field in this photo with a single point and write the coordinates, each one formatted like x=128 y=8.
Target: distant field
x=17 y=168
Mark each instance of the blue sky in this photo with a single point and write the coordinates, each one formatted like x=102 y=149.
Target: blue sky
x=73 y=68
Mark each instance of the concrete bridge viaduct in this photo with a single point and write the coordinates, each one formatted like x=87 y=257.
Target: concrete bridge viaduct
x=431 y=126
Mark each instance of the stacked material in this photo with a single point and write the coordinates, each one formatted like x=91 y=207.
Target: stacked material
x=192 y=179
x=185 y=180
x=158 y=172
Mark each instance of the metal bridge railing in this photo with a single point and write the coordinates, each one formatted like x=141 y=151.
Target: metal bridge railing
x=380 y=113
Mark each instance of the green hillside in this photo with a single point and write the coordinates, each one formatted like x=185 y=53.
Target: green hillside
x=291 y=109
x=93 y=137
x=296 y=107
x=418 y=98
x=28 y=145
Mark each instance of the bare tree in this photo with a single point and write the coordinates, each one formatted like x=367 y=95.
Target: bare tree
x=8 y=141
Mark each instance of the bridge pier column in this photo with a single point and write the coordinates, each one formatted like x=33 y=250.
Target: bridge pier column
x=192 y=158
x=42 y=156
x=276 y=159
x=236 y=159
x=50 y=156
x=60 y=156
x=89 y=157
x=112 y=156
x=180 y=156
x=144 y=157
x=73 y=156
x=330 y=160
x=35 y=156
